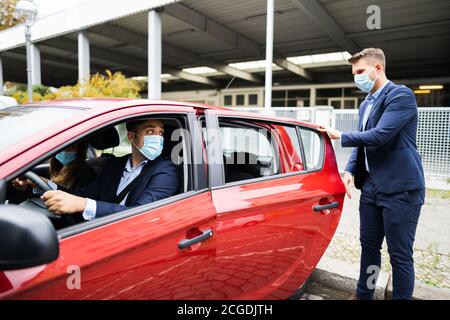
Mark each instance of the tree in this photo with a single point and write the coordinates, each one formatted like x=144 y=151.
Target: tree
x=8 y=15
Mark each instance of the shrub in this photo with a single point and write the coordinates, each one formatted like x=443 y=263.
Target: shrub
x=99 y=86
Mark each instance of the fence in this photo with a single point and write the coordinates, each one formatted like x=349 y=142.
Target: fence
x=433 y=134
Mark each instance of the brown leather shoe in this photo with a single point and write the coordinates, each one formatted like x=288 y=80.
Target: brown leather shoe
x=354 y=297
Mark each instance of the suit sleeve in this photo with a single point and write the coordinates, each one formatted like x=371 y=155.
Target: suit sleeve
x=91 y=190
x=162 y=185
x=399 y=111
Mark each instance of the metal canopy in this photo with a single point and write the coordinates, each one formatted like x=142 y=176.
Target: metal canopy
x=414 y=34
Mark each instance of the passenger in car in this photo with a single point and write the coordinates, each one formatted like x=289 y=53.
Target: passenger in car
x=125 y=182
x=68 y=169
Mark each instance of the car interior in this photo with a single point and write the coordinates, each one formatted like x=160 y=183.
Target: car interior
x=241 y=164
x=245 y=165
x=103 y=145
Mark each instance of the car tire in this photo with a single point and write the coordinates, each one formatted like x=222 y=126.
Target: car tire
x=300 y=291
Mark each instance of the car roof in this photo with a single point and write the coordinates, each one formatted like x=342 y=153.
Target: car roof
x=97 y=104
x=91 y=103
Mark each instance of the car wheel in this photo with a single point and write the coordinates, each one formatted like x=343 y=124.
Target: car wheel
x=300 y=291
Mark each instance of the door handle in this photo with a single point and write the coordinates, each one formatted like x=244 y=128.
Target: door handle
x=186 y=243
x=328 y=206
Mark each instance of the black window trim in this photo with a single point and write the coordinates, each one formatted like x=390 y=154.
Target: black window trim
x=273 y=177
x=115 y=217
x=322 y=148
x=238 y=123
x=198 y=174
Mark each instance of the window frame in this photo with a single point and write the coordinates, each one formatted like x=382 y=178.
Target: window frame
x=241 y=124
x=196 y=172
x=216 y=184
x=322 y=148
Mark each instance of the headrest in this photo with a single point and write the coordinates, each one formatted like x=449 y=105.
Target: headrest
x=168 y=143
x=244 y=161
x=242 y=158
x=105 y=139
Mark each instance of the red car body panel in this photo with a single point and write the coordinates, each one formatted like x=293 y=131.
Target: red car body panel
x=277 y=239
x=267 y=239
x=135 y=258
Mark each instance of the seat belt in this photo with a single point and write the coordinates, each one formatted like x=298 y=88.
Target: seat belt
x=118 y=198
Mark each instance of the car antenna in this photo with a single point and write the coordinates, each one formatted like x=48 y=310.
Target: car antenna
x=229 y=83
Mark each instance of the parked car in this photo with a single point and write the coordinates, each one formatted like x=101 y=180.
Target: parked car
x=251 y=230
x=6 y=101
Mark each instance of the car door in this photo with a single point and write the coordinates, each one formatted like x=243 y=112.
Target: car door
x=272 y=230
x=163 y=250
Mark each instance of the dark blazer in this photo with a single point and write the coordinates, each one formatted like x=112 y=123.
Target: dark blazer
x=160 y=180
x=82 y=177
x=390 y=141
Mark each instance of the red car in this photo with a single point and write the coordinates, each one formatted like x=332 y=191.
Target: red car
x=254 y=230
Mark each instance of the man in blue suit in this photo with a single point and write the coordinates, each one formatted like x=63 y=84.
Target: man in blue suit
x=387 y=168
x=125 y=182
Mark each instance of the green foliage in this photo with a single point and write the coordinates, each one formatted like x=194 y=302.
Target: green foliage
x=41 y=89
x=435 y=193
x=114 y=85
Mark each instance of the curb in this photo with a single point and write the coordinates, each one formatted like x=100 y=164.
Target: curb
x=344 y=276
x=423 y=292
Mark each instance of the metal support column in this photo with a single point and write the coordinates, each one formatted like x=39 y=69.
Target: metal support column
x=35 y=65
x=154 y=55
x=84 y=67
x=269 y=55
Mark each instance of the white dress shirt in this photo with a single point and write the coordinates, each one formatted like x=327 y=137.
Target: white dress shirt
x=372 y=100
x=129 y=174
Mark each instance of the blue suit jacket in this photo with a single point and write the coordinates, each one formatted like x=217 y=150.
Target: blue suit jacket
x=160 y=181
x=390 y=141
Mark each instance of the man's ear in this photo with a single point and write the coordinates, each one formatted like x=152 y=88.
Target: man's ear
x=130 y=136
x=379 y=67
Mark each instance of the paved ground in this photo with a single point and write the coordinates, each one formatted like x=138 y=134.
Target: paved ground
x=316 y=291
x=432 y=245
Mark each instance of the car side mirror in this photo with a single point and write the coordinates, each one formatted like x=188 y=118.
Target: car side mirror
x=27 y=238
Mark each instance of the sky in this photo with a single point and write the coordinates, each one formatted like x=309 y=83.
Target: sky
x=47 y=7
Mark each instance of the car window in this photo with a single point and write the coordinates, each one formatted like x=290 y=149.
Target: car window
x=176 y=148
x=249 y=151
x=312 y=146
x=292 y=132
x=290 y=147
x=18 y=122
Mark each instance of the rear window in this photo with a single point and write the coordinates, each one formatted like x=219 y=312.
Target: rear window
x=313 y=148
x=18 y=123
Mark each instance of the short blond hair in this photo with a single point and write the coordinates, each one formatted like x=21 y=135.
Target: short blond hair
x=375 y=53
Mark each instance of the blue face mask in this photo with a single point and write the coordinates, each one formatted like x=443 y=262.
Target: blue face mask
x=66 y=157
x=152 y=147
x=363 y=82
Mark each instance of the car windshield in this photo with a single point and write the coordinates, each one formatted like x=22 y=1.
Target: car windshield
x=18 y=123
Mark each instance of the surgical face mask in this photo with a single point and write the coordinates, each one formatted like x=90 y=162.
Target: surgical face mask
x=363 y=81
x=66 y=157
x=152 y=146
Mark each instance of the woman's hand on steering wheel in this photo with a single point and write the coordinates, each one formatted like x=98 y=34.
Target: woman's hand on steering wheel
x=37 y=181
x=21 y=184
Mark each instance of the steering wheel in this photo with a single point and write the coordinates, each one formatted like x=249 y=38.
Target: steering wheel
x=36 y=203
x=41 y=184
